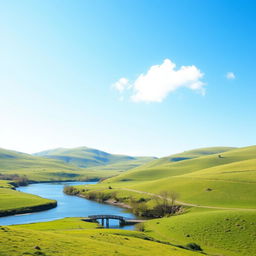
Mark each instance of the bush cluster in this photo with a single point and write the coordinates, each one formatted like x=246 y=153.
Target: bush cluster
x=16 y=179
x=70 y=190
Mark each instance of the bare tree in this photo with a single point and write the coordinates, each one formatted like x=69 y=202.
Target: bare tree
x=173 y=196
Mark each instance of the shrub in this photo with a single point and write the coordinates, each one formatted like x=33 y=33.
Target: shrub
x=140 y=227
x=16 y=179
x=70 y=190
x=194 y=247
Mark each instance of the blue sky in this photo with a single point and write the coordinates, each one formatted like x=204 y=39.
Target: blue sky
x=60 y=62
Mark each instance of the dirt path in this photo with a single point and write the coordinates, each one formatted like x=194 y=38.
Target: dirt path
x=188 y=204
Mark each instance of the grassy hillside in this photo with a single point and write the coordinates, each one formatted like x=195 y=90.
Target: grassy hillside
x=13 y=202
x=226 y=181
x=229 y=181
x=166 y=167
x=74 y=237
x=219 y=188
x=35 y=168
x=45 y=169
x=219 y=232
x=161 y=169
x=189 y=154
x=87 y=157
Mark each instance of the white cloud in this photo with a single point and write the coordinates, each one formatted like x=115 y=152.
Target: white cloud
x=160 y=80
x=230 y=76
x=121 y=84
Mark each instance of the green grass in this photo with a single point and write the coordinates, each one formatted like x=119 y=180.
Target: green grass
x=225 y=232
x=189 y=154
x=60 y=225
x=61 y=238
x=204 y=180
x=5 y=184
x=158 y=169
x=229 y=181
x=14 y=202
x=38 y=168
x=88 y=157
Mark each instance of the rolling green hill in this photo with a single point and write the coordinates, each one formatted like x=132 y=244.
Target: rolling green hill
x=189 y=154
x=88 y=157
x=225 y=180
x=72 y=236
x=38 y=168
x=231 y=233
x=35 y=168
x=217 y=192
x=166 y=167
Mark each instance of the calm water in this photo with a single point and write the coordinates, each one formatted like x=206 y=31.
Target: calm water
x=68 y=206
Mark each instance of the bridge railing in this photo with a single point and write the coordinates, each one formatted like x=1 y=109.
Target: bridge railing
x=105 y=216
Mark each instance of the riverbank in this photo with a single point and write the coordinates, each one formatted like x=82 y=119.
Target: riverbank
x=67 y=206
x=147 y=206
x=28 y=209
x=14 y=202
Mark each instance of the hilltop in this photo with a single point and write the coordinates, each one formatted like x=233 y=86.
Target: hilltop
x=67 y=164
x=89 y=157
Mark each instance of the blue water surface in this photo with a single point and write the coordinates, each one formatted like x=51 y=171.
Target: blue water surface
x=68 y=206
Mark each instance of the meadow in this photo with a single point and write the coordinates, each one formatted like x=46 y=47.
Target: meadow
x=14 y=202
x=66 y=165
x=72 y=236
x=217 y=189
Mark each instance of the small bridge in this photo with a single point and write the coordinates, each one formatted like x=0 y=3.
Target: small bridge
x=122 y=220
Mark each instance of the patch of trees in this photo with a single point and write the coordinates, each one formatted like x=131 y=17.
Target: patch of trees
x=100 y=196
x=17 y=180
x=70 y=190
x=164 y=205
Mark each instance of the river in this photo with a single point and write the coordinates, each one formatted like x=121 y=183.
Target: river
x=68 y=206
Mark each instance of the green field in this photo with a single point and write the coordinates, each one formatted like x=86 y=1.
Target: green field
x=88 y=157
x=51 y=168
x=14 y=202
x=216 y=186
x=219 y=187
x=218 y=232
x=74 y=237
x=226 y=181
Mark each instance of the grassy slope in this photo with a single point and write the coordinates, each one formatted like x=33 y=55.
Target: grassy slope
x=13 y=202
x=5 y=184
x=44 y=169
x=88 y=157
x=189 y=154
x=35 y=168
x=73 y=237
x=226 y=182
x=164 y=167
x=230 y=178
x=225 y=232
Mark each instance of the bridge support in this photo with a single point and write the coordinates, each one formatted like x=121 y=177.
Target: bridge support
x=102 y=222
x=107 y=223
x=121 y=223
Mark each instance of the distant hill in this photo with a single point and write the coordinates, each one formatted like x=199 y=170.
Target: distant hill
x=189 y=154
x=67 y=164
x=172 y=165
x=222 y=179
x=35 y=168
x=88 y=157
